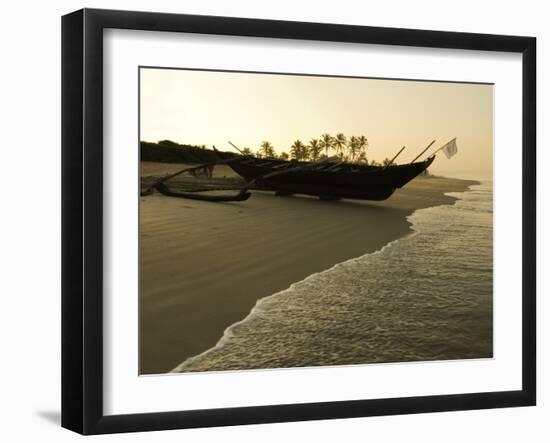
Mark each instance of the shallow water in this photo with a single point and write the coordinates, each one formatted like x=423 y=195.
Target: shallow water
x=427 y=296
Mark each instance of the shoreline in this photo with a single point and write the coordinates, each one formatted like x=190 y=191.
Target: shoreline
x=223 y=338
x=205 y=266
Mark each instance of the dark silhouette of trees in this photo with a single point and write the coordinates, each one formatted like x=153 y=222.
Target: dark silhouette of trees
x=315 y=149
x=299 y=151
x=327 y=143
x=167 y=143
x=352 y=149
x=266 y=150
x=363 y=145
x=340 y=144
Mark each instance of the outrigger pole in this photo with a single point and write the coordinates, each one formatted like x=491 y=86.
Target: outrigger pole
x=427 y=147
x=161 y=180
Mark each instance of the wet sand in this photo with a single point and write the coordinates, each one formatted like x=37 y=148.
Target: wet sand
x=204 y=265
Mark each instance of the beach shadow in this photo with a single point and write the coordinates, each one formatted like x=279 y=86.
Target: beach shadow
x=53 y=417
x=361 y=205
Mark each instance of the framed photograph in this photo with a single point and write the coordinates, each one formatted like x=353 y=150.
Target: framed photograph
x=269 y=221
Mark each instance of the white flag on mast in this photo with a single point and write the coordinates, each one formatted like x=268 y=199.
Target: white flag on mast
x=450 y=148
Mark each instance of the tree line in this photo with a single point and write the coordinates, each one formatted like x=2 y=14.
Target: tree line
x=347 y=149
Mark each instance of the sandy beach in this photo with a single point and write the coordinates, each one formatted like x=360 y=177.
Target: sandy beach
x=204 y=265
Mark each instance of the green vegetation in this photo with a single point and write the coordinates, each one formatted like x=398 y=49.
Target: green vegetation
x=315 y=149
x=352 y=150
x=339 y=143
x=266 y=150
x=299 y=151
x=167 y=151
x=327 y=142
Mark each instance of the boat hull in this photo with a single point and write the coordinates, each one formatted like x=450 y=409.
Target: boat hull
x=328 y=180
x=326 y=192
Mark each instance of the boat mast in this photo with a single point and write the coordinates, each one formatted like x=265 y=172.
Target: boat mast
x=394 y=157
x=427 y=147
x=241 y=152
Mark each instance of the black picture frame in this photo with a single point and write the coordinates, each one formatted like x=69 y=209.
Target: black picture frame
x=82 y=219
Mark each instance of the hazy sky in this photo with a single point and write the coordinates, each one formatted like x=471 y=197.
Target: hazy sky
x=210 y=108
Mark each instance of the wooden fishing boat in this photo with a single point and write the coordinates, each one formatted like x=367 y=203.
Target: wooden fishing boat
x=329 y=180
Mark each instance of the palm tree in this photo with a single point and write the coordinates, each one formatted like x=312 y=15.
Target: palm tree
x=247 y=151
x=326 y=143
x=267 y=150
x=386 y=162
x=340 y=142
x=353 y=148
x=314 y=149
x=298 y=151
x=284 y=156
x=363 y=144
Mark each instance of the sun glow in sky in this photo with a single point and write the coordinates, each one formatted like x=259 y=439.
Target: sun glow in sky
x=210 y=108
